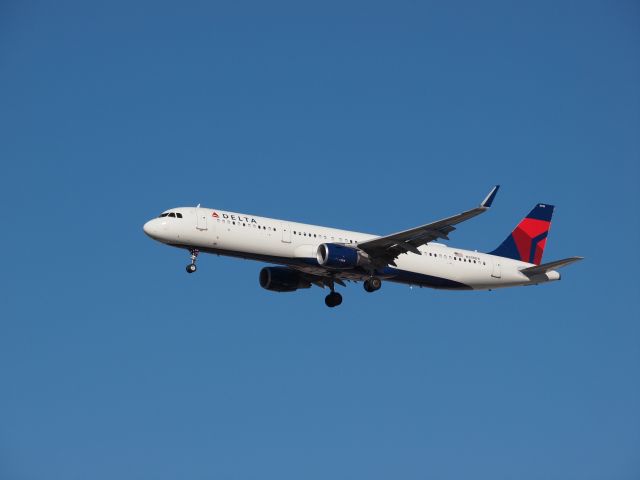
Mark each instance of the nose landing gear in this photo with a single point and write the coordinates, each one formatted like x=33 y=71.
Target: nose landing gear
x=192 y=266
x=372 y=284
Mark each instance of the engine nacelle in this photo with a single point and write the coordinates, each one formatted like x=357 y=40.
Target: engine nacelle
x=281 y=279
x=337 y=256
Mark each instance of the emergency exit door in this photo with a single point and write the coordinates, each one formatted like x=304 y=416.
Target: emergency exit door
x=286 y=233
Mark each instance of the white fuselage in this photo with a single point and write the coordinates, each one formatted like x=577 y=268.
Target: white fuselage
x=296 y=244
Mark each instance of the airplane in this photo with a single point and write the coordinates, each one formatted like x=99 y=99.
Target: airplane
x=309 y=255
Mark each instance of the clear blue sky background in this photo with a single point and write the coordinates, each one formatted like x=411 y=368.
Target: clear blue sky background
x=114 y=363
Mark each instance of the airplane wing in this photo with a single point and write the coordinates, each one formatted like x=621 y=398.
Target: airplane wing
x=384 y=250
x=545 y=267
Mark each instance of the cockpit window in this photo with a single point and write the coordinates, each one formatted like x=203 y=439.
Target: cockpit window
x=170 y=214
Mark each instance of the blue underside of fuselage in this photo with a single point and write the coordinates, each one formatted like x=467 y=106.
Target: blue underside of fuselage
x=388 y=273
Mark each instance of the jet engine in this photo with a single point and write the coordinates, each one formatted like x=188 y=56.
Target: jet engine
x=333 y=255
x=282 y=279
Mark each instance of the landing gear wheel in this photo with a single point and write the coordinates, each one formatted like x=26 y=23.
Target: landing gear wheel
x=333 y=299
x=192 y=266
x=372 y=284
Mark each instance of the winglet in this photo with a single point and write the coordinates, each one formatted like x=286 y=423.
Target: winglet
x=486 y=203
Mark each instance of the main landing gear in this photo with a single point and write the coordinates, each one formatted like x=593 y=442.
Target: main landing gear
x=192 y=266
x=372 y=284
x=333 y=299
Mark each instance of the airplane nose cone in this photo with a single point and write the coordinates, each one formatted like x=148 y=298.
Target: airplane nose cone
x=149 y=228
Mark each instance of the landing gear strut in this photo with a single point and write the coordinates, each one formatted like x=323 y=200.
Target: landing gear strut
x=372 y=284
x=194 y=254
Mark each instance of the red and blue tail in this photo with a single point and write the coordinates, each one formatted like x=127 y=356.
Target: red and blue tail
x=527 y=241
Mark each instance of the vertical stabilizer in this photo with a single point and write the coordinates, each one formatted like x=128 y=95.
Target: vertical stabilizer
x=528 y=239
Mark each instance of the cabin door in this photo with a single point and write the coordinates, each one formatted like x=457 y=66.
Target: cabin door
x=495 y=273
x=201 y=218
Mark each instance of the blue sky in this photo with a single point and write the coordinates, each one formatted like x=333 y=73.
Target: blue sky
x=114 y=363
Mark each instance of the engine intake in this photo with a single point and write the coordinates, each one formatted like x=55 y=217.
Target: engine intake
x=281 y=279
x=337 y=256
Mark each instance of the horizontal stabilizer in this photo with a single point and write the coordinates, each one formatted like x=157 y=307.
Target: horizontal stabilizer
x=545 y=267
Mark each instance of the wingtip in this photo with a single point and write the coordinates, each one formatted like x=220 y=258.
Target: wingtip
x=486 y=203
